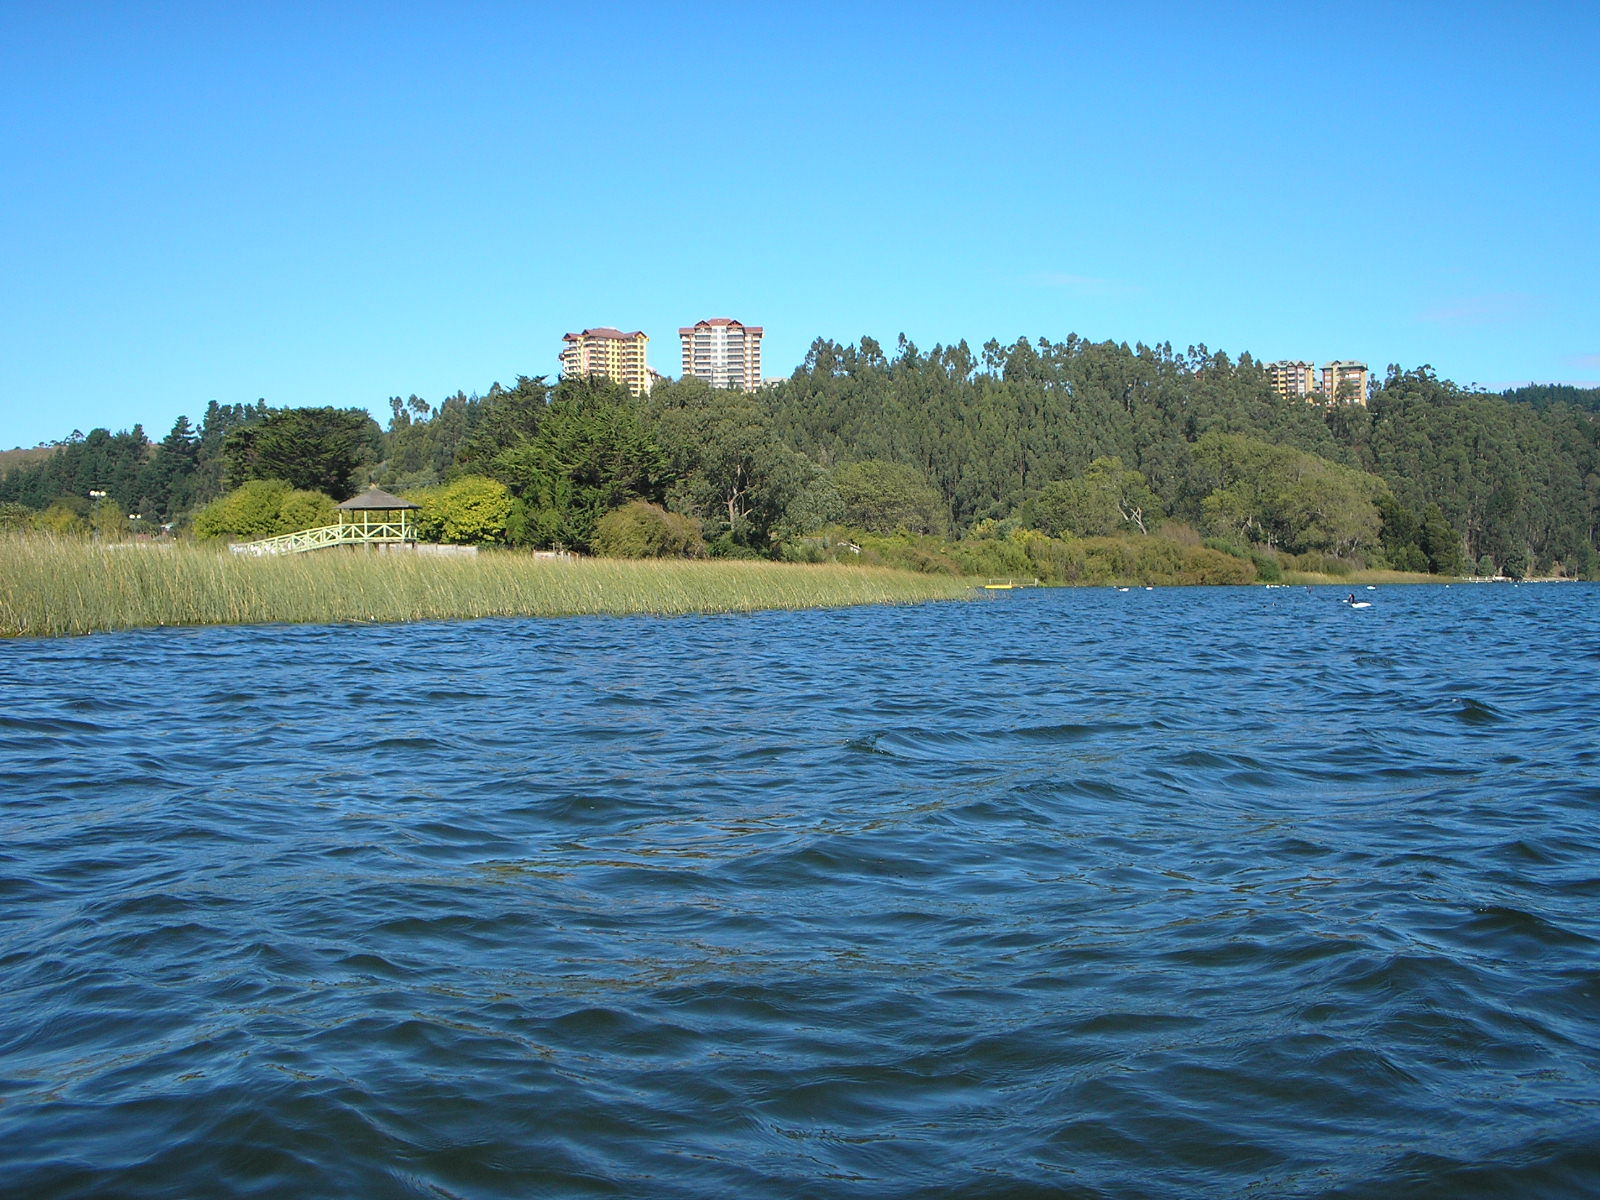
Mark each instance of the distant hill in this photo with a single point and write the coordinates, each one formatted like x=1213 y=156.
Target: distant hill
x=10 y=460
x=1543 y=395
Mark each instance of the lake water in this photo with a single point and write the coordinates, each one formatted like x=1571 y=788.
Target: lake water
x=1173 y=893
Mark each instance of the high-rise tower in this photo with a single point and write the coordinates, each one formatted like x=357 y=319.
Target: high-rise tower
x=608 y=352
x=723 y=352
x=1297 y=379
x=1345 y=382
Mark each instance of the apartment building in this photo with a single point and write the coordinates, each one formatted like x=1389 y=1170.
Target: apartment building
x=610 y=353
x=1297 y=379
x=1345 y=382
x=724 y=352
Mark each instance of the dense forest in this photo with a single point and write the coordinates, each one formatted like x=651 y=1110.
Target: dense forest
x=1036 y=439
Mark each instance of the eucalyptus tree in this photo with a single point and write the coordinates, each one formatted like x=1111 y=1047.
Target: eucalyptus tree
x=886 y=497
x=1107 y=498
x=1288 y=498
x=725 y=463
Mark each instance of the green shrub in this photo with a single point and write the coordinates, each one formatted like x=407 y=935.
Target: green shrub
x=62 y=520
x=835 y=544
x=109 y=522
x=1204 y=565
x=1054 y=559
x=727 y=545
x=1325 y=564
x=1268 y=569
x=301 y=509
x=643 y=530
x=15 y=518
x=1025 y=553
x=1515 y=562
x=1157 y=560
x=473 y=510
x=250 y=511
x=994 y=556
x=264 y=508
x=804 y=550
x=1227 y=545
x=1179 y=531
x=909 y=552
x=1409 y=558
x=1109 y=560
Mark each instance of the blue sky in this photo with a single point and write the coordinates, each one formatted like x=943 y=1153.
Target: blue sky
x=336 y=203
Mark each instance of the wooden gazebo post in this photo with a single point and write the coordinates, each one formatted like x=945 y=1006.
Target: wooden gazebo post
x=393 y=521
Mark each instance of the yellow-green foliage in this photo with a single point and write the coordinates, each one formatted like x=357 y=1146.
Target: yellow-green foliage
x=61 y=520
x=52 y=586
x=888 y=497
x=474 y=510
x=1106 y=498
x=264 y=508
x=1288 y=498
x=15 y=517
x=301 y=509
x=992 y=556
x=644 y=530
x=904 y=551
x=1027 y=553
x=1322 y=564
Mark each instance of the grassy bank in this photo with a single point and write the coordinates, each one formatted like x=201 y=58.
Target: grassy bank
x=1372 y=575
x=1174 y=556
x=52 y=587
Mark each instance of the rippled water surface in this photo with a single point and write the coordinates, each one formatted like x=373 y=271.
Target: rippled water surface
x=1175 y=893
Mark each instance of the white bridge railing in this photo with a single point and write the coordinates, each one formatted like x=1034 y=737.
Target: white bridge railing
x=347 y=534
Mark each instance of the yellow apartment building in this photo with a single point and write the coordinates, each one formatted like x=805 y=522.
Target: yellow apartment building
x=610 y=353
x=1297 y=379
x=1345 y=382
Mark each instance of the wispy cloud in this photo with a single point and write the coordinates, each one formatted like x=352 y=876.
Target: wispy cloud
x=1583 y=360
x=1083 y=285
x=1492 y=309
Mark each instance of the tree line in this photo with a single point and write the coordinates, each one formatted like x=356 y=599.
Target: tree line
x=1071 y=439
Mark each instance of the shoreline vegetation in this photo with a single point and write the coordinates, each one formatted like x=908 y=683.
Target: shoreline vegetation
x=54 y=587
x=1073 y=462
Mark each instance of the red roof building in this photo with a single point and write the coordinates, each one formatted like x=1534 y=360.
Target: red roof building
x=609 y=353
x=724 y=352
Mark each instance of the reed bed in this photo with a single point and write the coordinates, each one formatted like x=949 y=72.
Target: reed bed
x=52 y=587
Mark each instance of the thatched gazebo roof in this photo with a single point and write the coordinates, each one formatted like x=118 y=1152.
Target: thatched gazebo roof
x=376 y=499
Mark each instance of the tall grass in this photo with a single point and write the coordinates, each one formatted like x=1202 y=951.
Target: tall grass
x=52 y=586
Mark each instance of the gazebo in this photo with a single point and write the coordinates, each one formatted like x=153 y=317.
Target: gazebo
x=377 y=516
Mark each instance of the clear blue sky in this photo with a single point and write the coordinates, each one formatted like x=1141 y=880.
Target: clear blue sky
x=335 y=203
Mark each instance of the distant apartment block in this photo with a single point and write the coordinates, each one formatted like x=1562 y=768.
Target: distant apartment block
x=1345 y=382
x=1342 y=382
x=1296 y=379
x=723 y=352
x=610 y=353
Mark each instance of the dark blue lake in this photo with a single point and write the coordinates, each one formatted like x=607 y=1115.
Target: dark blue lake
x=1174 y=893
